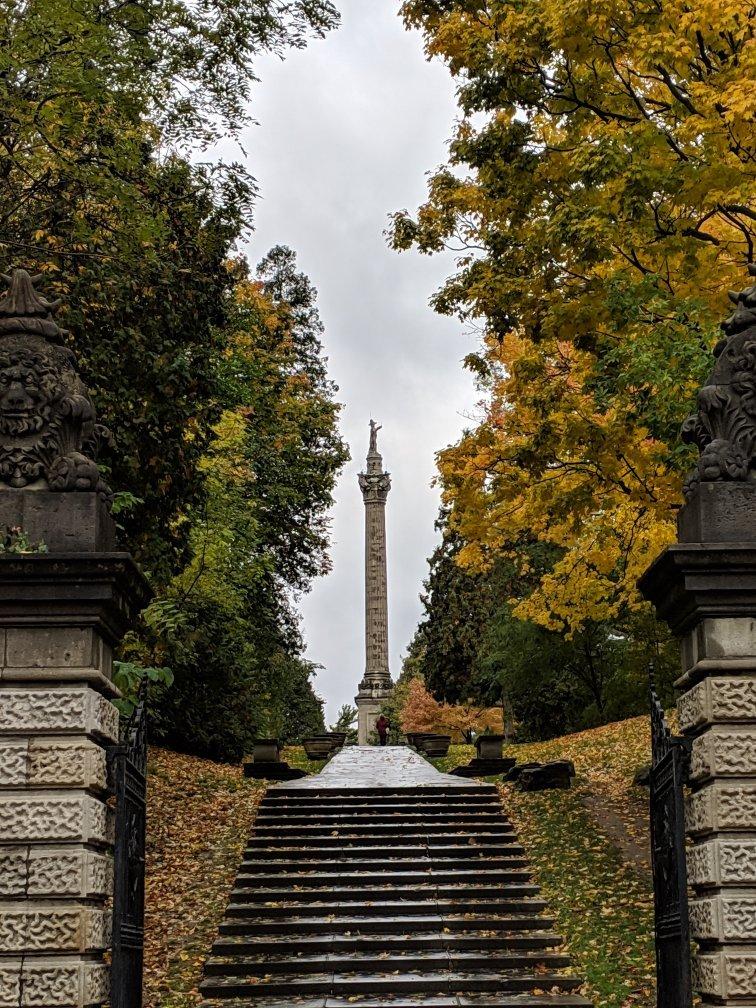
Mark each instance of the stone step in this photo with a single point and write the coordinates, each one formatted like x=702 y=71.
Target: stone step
x=543 y=1000
x=352 y=860
x=404 y=815
x=380 y=908
x=328 y=944
x=377 y=879
x=370 y=962
x=445 y=856
x=375 y=983
x=468 y=790
x=394 y=897
x=440 y=804
x=419 y=826
x=350 y=896
x=392 y=924
x=332 y=838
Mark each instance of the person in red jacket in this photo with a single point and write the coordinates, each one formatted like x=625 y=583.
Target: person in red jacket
x=382 y=727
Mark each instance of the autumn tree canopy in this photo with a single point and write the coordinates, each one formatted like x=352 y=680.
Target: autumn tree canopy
x=225 y=443
x=599 y=195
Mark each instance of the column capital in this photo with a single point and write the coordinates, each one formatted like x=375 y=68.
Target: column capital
x=375 y=487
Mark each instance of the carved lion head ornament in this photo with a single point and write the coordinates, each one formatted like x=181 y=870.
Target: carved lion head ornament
x=49 y=435
x=724 y=424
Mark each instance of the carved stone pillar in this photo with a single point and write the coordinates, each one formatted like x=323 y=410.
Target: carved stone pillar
x=376 y=684
x=66 y=597
x=705 y=588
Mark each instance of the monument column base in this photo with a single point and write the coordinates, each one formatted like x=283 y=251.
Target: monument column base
x=369 y=701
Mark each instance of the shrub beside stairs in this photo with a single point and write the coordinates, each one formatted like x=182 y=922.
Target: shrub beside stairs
x=399 y=898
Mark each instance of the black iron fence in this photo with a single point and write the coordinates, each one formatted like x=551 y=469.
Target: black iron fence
x=670 y=755
x=127 y=764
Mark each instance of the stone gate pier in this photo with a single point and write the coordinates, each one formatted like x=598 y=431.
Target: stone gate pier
x=705 y=588
x=66 y=599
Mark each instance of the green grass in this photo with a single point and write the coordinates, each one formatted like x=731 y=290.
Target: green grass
x=295 y=756
x=601 y=902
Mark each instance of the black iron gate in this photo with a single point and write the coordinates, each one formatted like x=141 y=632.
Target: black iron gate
x=669 y=769
x=127 y=763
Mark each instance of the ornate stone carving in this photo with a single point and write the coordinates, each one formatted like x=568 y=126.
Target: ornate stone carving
x=702 y=864
x=12 y=871
x=740 y=973
x=58 y=710
x=49 y=436
x=14 y=760
x=707 y=976
x=704 y=922
x=737 y=862
x=738 y=918
x=691 y=707
x=723 y=754
x=69 y=764
x=718 y=699
x=10 y=986
x=53 y=817
x=96 y=983
x=52 y=984
x=53 y=929
x=721 y=807
x=724 y=424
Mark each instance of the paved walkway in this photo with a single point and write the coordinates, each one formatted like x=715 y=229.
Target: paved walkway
x=358 y=767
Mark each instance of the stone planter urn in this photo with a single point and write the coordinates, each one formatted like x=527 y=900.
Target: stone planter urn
x=266 y=751
x=319 y=747
x=489 y=746
x=436 y=745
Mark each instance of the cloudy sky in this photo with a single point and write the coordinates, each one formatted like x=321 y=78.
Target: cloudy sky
x=347 y=130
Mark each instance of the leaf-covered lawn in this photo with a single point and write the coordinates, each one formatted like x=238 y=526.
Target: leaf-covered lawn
x=588 y=849
x=199 y=815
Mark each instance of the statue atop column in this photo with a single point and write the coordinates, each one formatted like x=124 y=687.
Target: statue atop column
x=376 y=684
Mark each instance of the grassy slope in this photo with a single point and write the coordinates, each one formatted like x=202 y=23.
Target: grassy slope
x=199 y=814
x=588 y=848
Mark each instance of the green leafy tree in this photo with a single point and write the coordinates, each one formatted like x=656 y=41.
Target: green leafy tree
x=346 y=721
x=258 y=534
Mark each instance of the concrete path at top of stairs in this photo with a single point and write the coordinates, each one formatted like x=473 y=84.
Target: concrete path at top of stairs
x=375 y=767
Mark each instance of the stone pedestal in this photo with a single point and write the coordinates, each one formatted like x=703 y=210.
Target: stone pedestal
x=706 y=591
x=61 y=614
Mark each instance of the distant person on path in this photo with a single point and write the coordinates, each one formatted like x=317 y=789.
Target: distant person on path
x=382 y=727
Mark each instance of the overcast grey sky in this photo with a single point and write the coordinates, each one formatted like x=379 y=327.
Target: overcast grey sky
x=347 y=130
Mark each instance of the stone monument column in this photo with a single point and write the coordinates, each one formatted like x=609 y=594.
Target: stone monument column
x=66 y=598
x=705 y=588
x=376 y=684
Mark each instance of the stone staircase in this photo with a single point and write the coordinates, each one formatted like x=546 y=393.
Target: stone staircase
x=392 y=897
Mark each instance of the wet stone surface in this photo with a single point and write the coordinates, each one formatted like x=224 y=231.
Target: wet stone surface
x=376 y=767
x=383 y=883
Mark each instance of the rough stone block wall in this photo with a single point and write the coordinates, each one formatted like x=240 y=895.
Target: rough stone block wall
x=718 y=711
x=56 y=870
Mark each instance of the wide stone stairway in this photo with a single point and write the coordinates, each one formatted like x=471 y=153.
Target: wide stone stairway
x=381 y=882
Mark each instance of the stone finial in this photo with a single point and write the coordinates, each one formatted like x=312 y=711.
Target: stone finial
x=49 y=435
x=724 y=424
